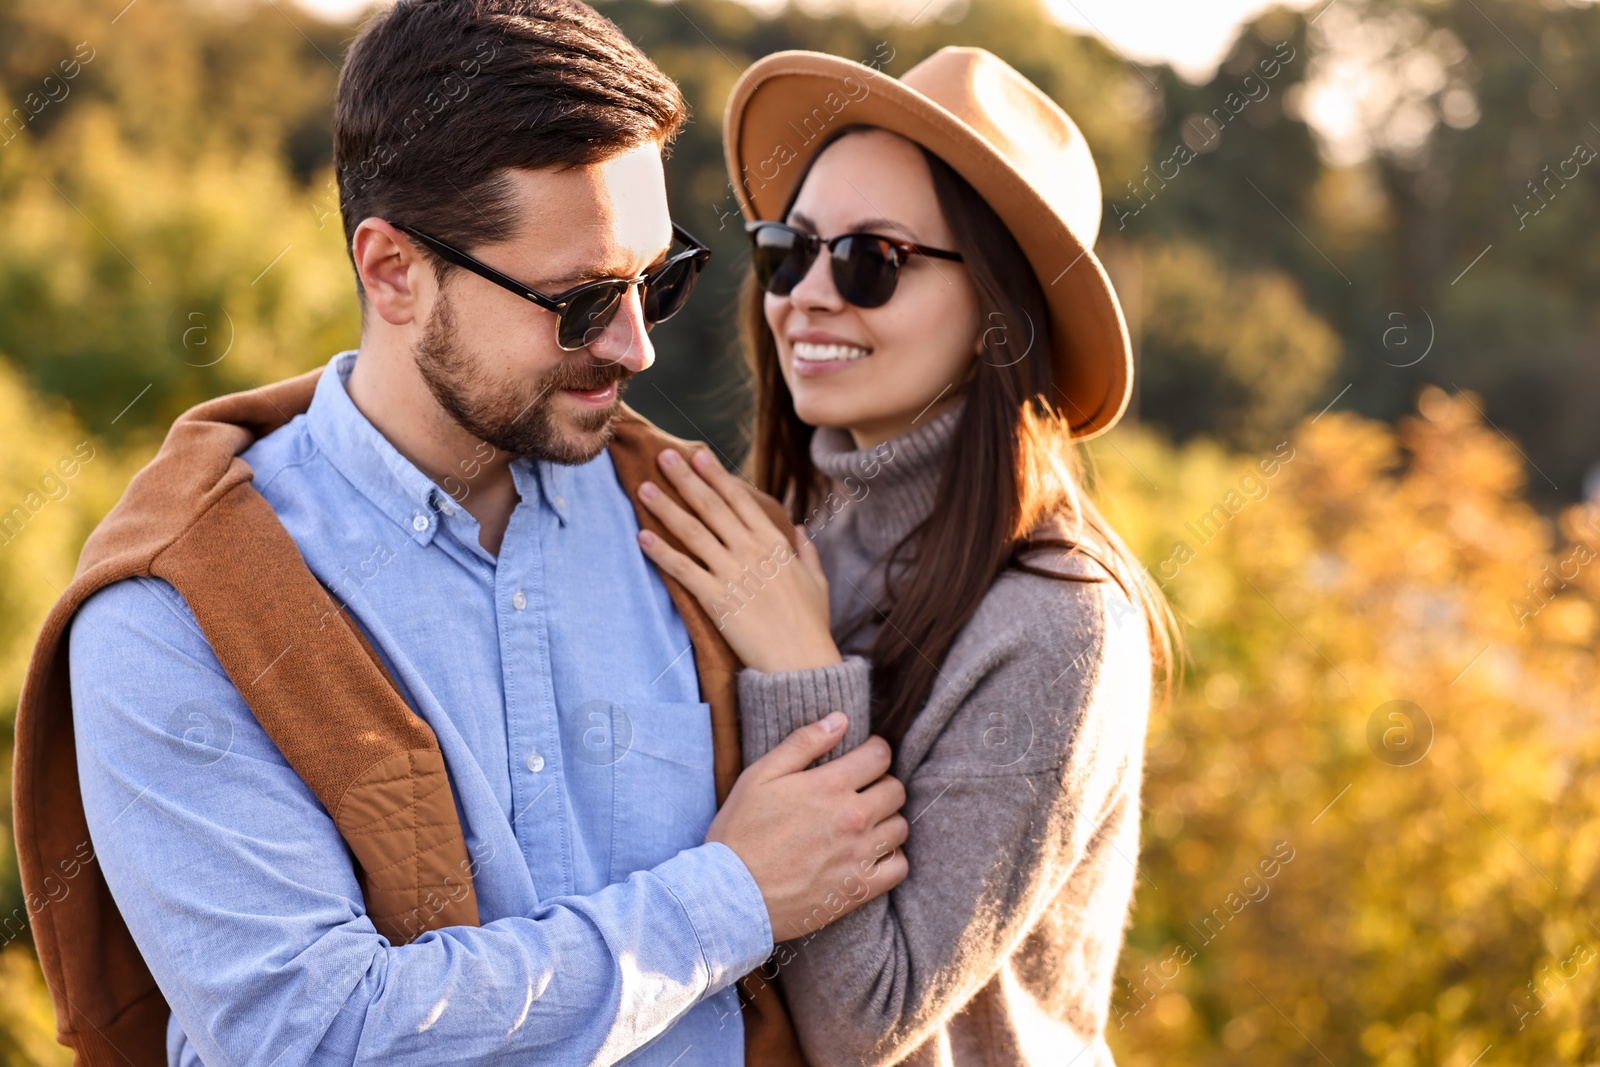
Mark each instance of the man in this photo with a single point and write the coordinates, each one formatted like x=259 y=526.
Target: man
x=450 y=484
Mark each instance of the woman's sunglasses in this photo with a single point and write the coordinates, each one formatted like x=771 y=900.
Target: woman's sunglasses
x=865 y=266
x=584 y=311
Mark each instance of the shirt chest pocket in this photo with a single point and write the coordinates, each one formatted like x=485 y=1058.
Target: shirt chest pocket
x=663 y=794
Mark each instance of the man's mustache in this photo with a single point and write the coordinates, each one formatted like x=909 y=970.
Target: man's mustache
x=581 y=375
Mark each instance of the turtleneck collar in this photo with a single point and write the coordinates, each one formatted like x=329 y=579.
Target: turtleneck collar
x=898 y=478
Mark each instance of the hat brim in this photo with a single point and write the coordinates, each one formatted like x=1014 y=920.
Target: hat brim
x=773 y=127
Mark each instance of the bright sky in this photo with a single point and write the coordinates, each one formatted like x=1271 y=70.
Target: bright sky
x=1190 y=34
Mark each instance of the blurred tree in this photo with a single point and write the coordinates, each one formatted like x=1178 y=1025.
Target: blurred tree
x=167 y=222
x=1425 y=868
x=1234 y=354
x=56 y=481
x=27 y=1015
x=1447 y=205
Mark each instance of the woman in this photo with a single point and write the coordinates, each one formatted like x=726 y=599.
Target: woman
x=929 y=332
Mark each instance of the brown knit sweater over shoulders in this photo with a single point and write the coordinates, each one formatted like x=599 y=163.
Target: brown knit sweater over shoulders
x=1022 y=776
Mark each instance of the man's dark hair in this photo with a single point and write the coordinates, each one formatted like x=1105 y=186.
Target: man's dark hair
x=438 y=96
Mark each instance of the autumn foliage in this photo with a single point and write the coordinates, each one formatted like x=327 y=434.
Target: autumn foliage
x=1435 y=864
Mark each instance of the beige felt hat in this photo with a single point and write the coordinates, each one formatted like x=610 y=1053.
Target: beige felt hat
x=1010 y=141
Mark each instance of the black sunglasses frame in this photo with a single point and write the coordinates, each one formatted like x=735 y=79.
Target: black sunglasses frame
x=813 y=245
x=562 y=302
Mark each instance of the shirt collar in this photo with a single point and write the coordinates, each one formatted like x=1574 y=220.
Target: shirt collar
x=366 y=458
x=391 y=482
x=556 y=483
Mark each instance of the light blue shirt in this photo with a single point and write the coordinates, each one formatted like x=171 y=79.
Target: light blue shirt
x=560 y=682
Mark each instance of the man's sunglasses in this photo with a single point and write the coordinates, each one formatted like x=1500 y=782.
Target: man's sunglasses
x=865 y=266
x=584 y=311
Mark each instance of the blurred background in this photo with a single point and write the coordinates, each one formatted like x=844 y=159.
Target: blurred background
x=1356 y=244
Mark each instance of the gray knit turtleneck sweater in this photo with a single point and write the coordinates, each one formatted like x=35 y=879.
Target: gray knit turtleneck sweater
x=1022 y=777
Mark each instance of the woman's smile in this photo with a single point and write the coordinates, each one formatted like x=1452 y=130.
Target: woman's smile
x=816 y=354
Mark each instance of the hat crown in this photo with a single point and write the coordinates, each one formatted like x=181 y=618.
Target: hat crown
x=1023 y=124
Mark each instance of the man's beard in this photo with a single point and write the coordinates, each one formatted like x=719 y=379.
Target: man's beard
x=517 y=417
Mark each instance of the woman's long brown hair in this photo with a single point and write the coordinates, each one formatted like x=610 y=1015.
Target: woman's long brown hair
x=1011 y=467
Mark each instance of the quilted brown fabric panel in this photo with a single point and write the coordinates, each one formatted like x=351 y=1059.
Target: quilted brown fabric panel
x=399 y=819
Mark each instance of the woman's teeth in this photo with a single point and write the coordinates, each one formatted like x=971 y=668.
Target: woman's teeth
x=815 y=353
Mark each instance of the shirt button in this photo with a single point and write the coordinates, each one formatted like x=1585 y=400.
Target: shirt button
x=447 y=507
x=518 y=600
x=419 y=523
x=561 y=503
x=535 y=761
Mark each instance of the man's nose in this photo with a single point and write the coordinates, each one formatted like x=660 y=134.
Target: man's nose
x=626 y=339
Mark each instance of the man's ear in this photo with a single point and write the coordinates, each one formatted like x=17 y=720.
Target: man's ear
x=391 y=270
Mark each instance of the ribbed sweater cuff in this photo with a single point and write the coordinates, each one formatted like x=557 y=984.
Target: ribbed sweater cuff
x=773 y=706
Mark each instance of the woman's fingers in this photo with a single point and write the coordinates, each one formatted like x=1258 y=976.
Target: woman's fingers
x=687 y=528
x=702 y=585
x=773 y=612
x=808 y=555
x=708 y=504
x=734 y=492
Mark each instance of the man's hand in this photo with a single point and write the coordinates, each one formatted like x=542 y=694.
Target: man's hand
x=819 y=842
